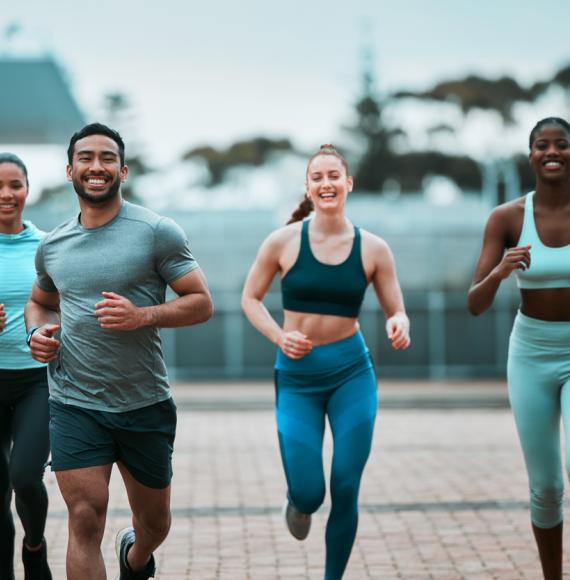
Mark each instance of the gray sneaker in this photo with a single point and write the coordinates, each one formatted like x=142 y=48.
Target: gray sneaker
x=297 y=522
x=125 y=539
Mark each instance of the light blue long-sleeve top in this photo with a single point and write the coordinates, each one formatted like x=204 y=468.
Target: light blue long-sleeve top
x=17 y=274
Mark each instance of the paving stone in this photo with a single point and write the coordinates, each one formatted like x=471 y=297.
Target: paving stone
x=444 y=496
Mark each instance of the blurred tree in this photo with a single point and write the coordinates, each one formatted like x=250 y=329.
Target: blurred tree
x=369 y=131
x=382 y=163
x=562 y=79
x=411 y=169
x=120 y=116
x=476 y=92
x=380 y=160
x=497 y=95
x=526 y=174
x=117 y=107
x=253 y=152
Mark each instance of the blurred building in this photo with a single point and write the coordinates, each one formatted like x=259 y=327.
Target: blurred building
x=435 y=236
x=36 y=104
x=38 y=113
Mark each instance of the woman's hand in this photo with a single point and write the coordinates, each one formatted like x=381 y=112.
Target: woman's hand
x=295 y=344
x=398 y=330
x=514 y=259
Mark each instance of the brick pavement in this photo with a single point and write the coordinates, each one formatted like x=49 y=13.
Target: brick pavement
x=443 y=497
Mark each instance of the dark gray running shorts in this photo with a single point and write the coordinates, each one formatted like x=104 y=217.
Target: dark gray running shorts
x=142 y=440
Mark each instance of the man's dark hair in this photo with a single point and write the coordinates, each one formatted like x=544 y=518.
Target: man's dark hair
x=96 y=129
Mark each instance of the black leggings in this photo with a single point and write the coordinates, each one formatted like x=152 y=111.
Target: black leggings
x=24 y=449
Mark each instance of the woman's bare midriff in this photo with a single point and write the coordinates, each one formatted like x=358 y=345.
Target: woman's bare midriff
x=550 y=304
x=320 y=328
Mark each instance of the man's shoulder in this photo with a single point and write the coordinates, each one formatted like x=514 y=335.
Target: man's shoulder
x=138 y=213
x=163 y=227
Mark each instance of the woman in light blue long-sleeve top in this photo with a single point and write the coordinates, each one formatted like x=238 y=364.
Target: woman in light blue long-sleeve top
x=24 y=417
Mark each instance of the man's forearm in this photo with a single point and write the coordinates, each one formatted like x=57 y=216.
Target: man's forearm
x=182 y=311
x=37 y=315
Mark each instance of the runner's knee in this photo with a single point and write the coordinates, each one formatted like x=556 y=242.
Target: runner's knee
x=155 y=524
x=307 y=499
x=546 y=506
x=86 y=520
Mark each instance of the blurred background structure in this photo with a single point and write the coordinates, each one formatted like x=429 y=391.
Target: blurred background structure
x=432 y=151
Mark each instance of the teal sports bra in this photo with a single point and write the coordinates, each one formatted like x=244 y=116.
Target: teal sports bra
x=311 y=286
x=549 y=267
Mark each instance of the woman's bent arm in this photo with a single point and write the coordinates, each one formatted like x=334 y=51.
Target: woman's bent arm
x=389 y=293
x=494 y=264
x=257 y=283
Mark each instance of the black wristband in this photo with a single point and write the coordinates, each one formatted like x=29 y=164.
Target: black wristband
x=30 y=333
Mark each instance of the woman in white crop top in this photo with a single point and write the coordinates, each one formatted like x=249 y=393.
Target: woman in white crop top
x=530 y=236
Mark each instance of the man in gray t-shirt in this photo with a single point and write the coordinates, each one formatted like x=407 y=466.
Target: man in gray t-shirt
x=136 y=254
x=94 y=314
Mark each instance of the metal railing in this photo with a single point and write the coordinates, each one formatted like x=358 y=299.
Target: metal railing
x=447 y=342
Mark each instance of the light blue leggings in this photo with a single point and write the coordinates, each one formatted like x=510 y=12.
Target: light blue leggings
x=336 y=381
x=538 y=373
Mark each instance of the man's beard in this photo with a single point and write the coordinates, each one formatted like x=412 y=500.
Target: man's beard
x=97 y=199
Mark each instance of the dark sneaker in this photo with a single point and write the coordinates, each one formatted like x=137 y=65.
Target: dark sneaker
x=125 y=539
x=7 y=560
x=297 y=522
x=35 y=563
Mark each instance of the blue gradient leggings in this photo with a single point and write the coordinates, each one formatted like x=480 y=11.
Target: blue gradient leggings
x=336 y=381
x=539 y=390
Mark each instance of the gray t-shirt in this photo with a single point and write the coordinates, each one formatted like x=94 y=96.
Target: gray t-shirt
x=135 y=255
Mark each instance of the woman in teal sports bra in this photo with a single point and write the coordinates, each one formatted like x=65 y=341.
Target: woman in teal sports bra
x=530 y=236
x=323 y=368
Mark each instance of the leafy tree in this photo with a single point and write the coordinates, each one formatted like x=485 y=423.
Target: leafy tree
x=119 y=113
x=253 y=152
x=380 y=163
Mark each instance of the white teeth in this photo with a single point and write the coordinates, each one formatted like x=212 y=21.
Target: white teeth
x=5 y=205
x=552 y=164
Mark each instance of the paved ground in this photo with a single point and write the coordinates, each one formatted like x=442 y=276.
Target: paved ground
x=444 y=495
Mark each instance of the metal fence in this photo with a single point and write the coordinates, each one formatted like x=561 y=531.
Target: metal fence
x=447 y=342
x=435 y=248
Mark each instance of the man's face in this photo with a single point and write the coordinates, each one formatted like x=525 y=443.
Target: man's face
x=96 y=171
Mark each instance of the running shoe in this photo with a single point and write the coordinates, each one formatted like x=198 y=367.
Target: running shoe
x=297 y=522
x=125 y=539
x=35 y=563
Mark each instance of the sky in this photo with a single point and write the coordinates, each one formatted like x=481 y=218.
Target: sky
x=214 y=72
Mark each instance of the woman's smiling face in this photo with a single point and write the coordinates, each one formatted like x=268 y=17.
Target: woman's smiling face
x=13 y=194
x=550 y=153
x=327 y=183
